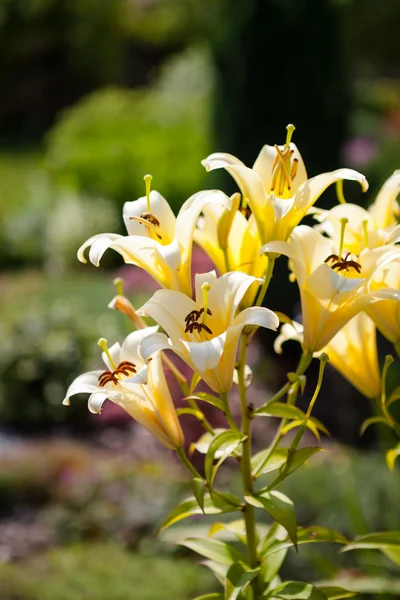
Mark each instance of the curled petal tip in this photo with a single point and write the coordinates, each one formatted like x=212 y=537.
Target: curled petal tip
x=66 y=402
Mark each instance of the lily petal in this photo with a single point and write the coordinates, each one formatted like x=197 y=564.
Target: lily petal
x=101 y=242
x=206 y=355
x=83 y=384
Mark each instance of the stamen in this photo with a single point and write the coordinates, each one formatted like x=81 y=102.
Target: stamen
x=339 y=191
x=343 y=223
x=148 y=179
x=119 y=286
x=125 y=368
x=205 y=288
x=290 y=129
x=365 y=228
x=150 y=221
x=103 y=345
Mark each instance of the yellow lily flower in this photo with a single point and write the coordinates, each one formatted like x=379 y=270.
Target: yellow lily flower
x=277 y=189
x=140 y=389
x=370 y=228
x=157 y=241
x=386 y=314
x=231 y=241
x=333 y=289
x=352 y=351
x=205 y=333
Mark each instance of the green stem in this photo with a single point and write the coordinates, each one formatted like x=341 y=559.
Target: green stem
x=206 y=424
x=245 y=465
x=186 y=462
x=228 y=412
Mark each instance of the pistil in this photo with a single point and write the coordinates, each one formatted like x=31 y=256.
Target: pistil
x=103 y=345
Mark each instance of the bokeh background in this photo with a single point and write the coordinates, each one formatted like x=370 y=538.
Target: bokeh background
x=94 y=95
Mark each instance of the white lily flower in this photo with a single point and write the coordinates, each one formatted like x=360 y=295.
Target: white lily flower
x=139 y=388
x=352 y=351
x=205 y=333
x=333 y=289
x=157 y=241
x=386 y=314
x=277 y=189
x=370 y=228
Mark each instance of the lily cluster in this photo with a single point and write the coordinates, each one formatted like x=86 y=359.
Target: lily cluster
x=347 y=269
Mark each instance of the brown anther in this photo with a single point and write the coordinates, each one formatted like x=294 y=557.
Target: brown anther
x=195 y=315
x=295 y=167
x=124 y=368
x=197 y=327
x=343 y=264
x=150 y=218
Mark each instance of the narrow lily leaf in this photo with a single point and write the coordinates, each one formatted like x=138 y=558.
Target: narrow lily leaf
x=373 y=421
x=282 y=410
x=305 y=535
x=280 y=508
x=225 y=443
x=239 y=575
x=237 y=528
x=291 y=590
x=378 y=541
x=209 y=398
x=220 y=499
x=301 y=456
x=279 y=458
x=270 y=566
x=191 y=507
x=333 y=592
x=214 y=549
x=360 y=584
x=312 y=424
x=199 y=491
x=394 y=396
x=263 y=462
x=190 y=411
x=391 y=456
x=217 y=569
x=203 y=443
x=215 y=596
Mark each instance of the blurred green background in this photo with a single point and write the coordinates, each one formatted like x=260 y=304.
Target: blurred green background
x=96 y=94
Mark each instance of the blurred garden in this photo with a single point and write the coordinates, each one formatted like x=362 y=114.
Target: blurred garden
x=95 y=95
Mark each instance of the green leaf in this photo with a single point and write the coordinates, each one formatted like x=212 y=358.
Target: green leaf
x=237 y=528
x=209 y=398
x=199 y=491
x=379 y=541
x=203 y=443
x=238 y=576
x=263 y=462
x=225 y=443
x=387 y=542
x=363 y=584
x=190 y=411
x=214 y=596
x=312 y=424
x=280 y=508
x=270 y=567
x=305 y=535
x=214 y=549
x=373 y=421
x=217 y=569
x=191 y=507
x=229 y=502
x=333 y=592
x=391 y=456
x=394 y=396
x=301 y=456
x=297 y=590
x=260 y=465
x=282 y=410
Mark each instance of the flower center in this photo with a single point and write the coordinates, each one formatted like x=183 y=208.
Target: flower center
x=284 y=170
x=343 y=263
x=192 y=321
x=124 y=369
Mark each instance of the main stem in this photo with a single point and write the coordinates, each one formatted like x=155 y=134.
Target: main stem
x=245 y=464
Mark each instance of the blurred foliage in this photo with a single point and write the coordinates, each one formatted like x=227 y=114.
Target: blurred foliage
x=111 y=139
x=104 y=572
x=54 y=52
x=46 y=342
